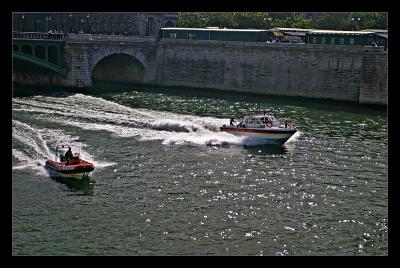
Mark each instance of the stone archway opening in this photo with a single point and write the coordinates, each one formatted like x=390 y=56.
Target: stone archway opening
x=27 y=49
x=118 y=68
x=53 y=55
x=40 y=52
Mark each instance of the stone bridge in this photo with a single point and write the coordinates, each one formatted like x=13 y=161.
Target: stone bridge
x=351 y=73
x=40 y=50
x=84 y=58
x=111 y=58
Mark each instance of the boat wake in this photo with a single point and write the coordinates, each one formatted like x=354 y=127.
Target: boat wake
x=177 y=132
x=32 y=151
x=24 y=161
x=96 y=114
x=175 y=125
x=31 y=147
x=294 y=138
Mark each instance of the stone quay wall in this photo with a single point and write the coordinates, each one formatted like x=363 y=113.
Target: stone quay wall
x=349 y=73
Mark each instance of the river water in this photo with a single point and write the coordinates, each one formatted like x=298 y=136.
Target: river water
x=167 y=182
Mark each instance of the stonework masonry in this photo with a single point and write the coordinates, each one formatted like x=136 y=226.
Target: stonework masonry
x=335 y=72
x=350 y=73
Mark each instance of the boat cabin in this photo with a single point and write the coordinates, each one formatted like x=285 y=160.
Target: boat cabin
x=260 y=121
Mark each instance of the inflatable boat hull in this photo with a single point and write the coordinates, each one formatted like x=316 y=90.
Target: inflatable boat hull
x=76 y=170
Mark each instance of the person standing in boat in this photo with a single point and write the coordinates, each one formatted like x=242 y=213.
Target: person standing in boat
x=68 y=154
x=288 y=123
x=232 y=121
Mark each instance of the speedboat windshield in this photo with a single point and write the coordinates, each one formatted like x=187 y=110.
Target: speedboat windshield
x=261 y=119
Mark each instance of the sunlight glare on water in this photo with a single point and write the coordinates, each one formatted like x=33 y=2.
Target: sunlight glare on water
x=168 y=182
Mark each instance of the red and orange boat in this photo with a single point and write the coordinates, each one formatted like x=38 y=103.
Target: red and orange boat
x=75 y=167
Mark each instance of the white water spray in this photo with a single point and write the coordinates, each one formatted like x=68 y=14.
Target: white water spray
x=92 y=113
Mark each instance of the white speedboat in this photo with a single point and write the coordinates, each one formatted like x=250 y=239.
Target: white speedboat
x=262 y=126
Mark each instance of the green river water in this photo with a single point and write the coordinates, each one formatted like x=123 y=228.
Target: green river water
x=167 y=182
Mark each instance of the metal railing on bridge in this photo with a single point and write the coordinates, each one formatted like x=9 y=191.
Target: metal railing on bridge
x=39 y=35
x=109 y=37
x=82 y=37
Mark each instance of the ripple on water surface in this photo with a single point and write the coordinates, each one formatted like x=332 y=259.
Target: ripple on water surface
x=168 y=182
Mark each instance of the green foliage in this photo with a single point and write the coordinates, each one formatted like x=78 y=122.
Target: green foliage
x=252 y=20
x=353 y=21
x=368 y=20
x=192 y=20
x=240 y=20
x=222 y=19
x=301 y=22
x=294 y=22
x=333 y=21
x=264 y=20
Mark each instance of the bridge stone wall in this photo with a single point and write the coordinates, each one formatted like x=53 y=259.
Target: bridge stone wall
x=350 y=73
x=335 y=72
x=37 y=78
x=82 y=57
x=374 y=79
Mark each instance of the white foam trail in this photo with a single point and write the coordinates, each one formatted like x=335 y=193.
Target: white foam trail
x=101 y=164
x=213 y=139
x=117 y=118
x=294 y=138
x=186 y=132
x=20 y=156
x=120 y=131
x=26 y=162
x=25 y=159
x=30 y=137
x=92 y=113
x=35 y=151
x=175 y=125
x=97 y=110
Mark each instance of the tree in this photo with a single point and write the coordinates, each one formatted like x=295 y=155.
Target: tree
x=264 y=20
x=301 y=22
x=280 y=15
x=222 y=19
x=333 y=21
x=352 y=21
x=294 y=22
x=192 y=20
x=241 y=20
x=252 y=20
x=368 y=20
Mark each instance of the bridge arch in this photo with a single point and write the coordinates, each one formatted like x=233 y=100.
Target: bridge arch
x=118 y=64
x=40 y=52
x=53 y=54
x=27 y=49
